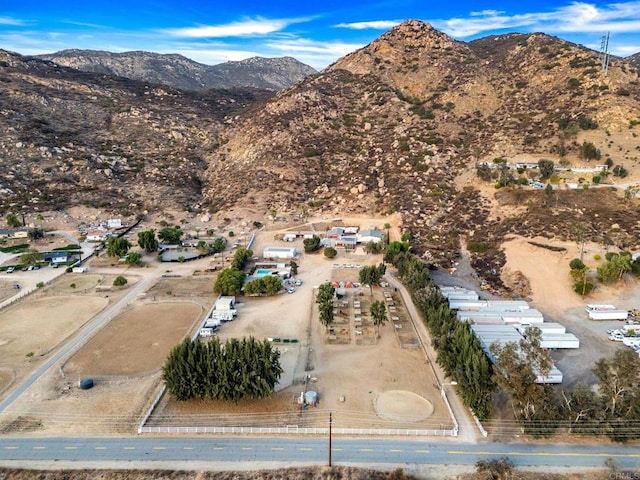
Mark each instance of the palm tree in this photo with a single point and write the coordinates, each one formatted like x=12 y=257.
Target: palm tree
x=378 y=314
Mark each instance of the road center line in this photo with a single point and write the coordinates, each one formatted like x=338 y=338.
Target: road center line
x=159 y=448
x=37 y=447
x=395 y=451
x=305 y=449
x=422 y=451
x=11 y=448
x=277 y=448
x=70 y=448
x=366 y=450
x=128 y=448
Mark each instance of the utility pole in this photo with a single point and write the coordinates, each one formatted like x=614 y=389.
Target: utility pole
x=604 y=53
x=330 y=424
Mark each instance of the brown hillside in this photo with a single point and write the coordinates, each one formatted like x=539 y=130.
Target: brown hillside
x=400 y=124
x=73 y=138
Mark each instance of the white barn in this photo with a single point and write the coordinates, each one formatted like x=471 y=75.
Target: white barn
x=279 y=252
x=366 y=236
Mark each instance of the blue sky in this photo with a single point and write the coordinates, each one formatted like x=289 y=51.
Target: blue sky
x=316 y=33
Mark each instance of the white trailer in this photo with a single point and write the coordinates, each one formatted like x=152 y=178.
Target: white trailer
x=473 y=315
x=212 y=322
x=550 y=328
x=523 y=317
x=224 y=316
x=566 y=340
x=466 y=304
x=473 y=296
x=505 y=305
x=206 y=332
x=595 y=307
x=608 y=314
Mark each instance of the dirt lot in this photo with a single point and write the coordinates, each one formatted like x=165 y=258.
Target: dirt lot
x=351 y=379
x=30 y=330
x=137 y=341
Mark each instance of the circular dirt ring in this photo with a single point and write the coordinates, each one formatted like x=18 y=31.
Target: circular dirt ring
x=403 y=406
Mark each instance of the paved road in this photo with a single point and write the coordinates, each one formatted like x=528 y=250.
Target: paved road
x=86 y=333
x=306 y=450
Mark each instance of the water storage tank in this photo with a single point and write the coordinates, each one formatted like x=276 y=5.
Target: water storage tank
x=86 y=383
x=311 y=397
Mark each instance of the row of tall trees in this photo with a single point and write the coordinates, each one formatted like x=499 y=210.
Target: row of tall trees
x=324 y=299
x=236 y=370
x=459 y=351
x=611 y=409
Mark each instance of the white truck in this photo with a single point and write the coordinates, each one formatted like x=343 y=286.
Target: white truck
x=606 y=312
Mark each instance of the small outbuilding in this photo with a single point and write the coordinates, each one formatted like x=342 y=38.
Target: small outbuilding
x=279 y=252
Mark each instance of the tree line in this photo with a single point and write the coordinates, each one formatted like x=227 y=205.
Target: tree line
x=459 y=352
x=237 y=370
x=612 y=409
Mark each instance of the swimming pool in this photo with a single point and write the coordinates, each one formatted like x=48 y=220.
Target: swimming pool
x=261 y=272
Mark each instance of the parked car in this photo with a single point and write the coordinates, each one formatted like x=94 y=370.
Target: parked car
x=11 y=269
x=291 y=290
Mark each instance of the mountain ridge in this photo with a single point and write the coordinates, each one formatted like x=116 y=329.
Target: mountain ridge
x=401 y=125
x=178 y=71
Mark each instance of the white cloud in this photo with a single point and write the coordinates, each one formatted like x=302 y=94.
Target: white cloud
x=11 y=21
x=256 y=26
x=485 y=13
x=375 y=25
x=577 y=17
x=625 y=50
x=315 y=53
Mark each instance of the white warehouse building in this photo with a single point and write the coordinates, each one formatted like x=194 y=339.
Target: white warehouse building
x=279 y=252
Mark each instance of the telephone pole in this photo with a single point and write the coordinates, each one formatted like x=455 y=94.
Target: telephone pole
x=330 y=424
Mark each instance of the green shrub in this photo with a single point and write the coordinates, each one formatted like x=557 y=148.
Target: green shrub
x=40 y=285
x=120 y=281
x=73 y=285
x=576 y=264
x=330 y=252
x=477 y=247
x=597 y=257
x=583 y=287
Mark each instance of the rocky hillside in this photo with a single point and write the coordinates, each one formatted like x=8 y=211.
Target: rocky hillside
x=634 y=60
x=397 y=126
x=400 y=124
x=180 y=72
x=74 y=138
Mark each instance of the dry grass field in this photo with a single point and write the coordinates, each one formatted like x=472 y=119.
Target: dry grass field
x=137 y=341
